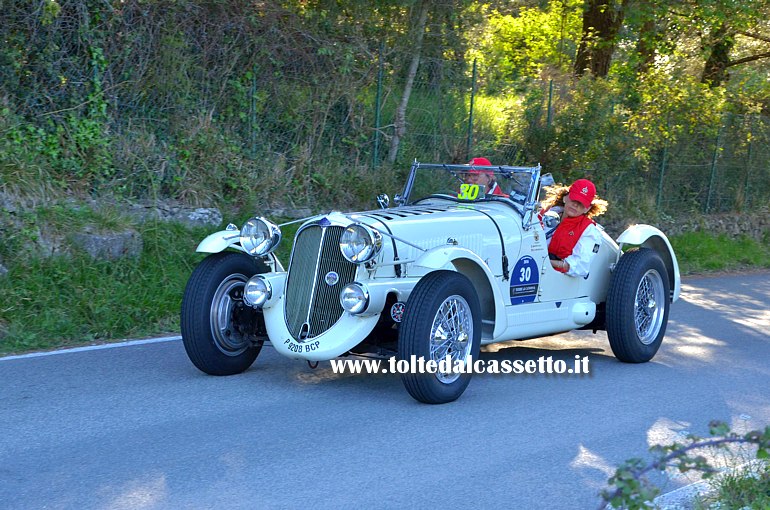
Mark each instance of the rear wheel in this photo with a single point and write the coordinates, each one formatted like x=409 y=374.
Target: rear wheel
x=442 y=319
x=637 y=306
x=222 y=335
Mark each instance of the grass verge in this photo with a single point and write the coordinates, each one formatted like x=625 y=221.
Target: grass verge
x=699 y=252
x=746 y=489
x=62 y=301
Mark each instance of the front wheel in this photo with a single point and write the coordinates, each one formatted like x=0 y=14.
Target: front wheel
x=442 y=320
x=637 y=306
x=222 y=335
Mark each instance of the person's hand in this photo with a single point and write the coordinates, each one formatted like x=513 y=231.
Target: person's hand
x=560 y=265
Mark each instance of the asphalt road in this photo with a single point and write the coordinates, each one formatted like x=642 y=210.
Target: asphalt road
x=138 y=427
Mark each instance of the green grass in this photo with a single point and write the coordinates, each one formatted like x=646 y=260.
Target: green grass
x=745 y=490
x=698 y=252
x=63 y=301
x=47 y=303
x=71 y=218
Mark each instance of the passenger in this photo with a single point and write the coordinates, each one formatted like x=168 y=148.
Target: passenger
x=576 y=238
x=484 y=177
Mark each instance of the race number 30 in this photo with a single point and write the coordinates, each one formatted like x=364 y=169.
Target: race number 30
x=525 y=280
x=468 y=192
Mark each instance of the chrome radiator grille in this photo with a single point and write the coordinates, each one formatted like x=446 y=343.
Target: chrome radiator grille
x=312 y=305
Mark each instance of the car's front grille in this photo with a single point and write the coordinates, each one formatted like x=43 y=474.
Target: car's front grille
x=312 y=305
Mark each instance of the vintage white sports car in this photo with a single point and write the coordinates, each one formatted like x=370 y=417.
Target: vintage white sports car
x=447 y=269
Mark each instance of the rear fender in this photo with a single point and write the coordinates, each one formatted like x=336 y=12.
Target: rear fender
x=650 y=237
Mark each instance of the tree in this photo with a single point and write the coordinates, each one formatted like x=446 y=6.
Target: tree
x=400 y=120
x=602 y=20
x=715 y=71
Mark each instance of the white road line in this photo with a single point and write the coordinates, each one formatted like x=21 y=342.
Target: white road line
x=115 y=345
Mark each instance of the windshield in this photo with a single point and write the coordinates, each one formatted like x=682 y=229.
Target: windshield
x=465 y=183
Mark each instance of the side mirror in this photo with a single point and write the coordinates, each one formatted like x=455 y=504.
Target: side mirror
x=383 y=200
x=547 y=180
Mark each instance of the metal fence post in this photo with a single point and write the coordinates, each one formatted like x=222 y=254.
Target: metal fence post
x=713 y=169
x=253 y=115
x=663 y=164
x=470 y=115
x=549 y=113
x=662 y=174
x=377 y=113
x=746 y=202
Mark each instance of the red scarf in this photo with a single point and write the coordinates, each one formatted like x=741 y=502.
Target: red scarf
x=566 y=235
x=496 y=191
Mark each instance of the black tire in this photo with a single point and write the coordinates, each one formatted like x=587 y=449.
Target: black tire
x=638 y=303
x=221 y=341
x=434 y=291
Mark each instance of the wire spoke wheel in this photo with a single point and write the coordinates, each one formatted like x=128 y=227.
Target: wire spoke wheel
x=648 y=315
x=442 y=321
x=638 y=305
x=451 y=335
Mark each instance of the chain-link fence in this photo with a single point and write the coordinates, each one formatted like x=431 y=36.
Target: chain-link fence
x=708 y=169
x=711 y=173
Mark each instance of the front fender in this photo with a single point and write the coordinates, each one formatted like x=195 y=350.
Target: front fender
x=650 y=237
x=224 y=239
x=220 y=241
x=468 y=263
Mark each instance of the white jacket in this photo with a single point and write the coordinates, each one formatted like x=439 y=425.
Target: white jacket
x=588 y=244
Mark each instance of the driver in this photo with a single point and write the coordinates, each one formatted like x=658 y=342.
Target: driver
x=483 y=177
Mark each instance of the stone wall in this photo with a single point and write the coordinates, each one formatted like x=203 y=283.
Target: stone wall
x=755 y=225
x=98 y=243
x=103 y=245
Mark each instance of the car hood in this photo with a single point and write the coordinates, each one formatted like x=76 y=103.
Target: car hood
x=475 y=227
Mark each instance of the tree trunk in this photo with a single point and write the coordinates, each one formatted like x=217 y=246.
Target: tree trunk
x=602 y=20
x=399 y=122
x=645 y=46
x=715 y=69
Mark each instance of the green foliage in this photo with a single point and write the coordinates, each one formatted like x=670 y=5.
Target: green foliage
x=631 y=490
x=75 y=151
x=521 y=46
x=197 y=102
x=590 y=137
x=51 y=10
x=670 y=109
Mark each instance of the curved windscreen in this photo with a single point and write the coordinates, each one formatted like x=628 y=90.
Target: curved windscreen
x=464 y=183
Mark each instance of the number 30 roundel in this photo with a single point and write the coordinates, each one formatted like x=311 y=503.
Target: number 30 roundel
x=525 y=279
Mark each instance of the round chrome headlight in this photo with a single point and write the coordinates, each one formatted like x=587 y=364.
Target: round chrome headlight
x=259 y=236
x=354 y=298
x=360 y=243
x=257 y=291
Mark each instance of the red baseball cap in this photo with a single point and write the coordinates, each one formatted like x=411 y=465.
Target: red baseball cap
x=480 y=162
x=583 y=191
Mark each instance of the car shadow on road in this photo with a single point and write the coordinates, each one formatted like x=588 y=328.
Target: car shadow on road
x=538 y=361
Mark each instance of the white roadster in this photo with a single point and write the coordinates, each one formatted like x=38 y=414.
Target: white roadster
x=444 y=271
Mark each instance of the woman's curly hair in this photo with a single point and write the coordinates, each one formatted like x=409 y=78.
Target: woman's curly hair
x=554 y=195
